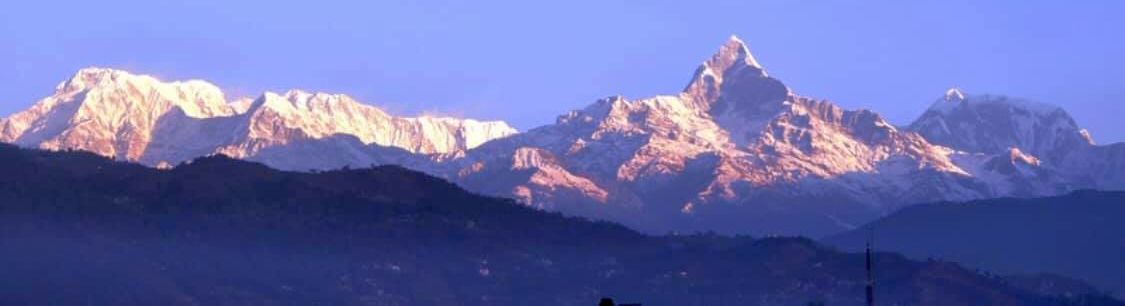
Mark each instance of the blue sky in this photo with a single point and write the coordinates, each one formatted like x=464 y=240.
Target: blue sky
x=526 y=62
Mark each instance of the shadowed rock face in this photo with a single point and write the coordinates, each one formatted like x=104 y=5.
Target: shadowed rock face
x=81 y=229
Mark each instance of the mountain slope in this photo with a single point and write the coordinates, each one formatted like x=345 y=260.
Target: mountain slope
x=993 y=124
x=139 y=118
x=82 y=229
x=1042 y=135
x=735 y=151
x=1077 y=234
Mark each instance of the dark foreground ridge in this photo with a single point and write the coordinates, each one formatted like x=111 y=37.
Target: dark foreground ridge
x=1081 y=234
x=81 y=229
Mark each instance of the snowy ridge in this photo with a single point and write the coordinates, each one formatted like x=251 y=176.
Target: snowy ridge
x=140 y=118
x=735 y=151
x=993 y=124
x=738 y=151
x=735 y=142
x=955 y=98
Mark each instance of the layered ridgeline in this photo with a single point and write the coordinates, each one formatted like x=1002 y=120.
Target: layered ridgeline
x=139 y=118
x=82 y=229
x=1077 y=234
x=738 y=151
x=735 y=151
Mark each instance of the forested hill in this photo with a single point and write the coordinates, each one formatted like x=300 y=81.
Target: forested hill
x=82 y=229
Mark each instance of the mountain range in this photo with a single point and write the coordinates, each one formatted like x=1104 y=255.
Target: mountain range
x=83 y=229
x=735 y=151
x=139 y=118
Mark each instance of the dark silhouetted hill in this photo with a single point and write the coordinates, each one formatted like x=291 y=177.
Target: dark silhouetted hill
x=1081 y=234
x=79 y=229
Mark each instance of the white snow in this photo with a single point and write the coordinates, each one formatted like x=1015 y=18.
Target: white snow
x=955 y=97
x=992 y=124
x=734 y=136
x=140 y=118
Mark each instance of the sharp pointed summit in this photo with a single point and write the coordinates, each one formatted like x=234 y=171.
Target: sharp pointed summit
x=737 y=50
x=732 y=66
x=732 y=56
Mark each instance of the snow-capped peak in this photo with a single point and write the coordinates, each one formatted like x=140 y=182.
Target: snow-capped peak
x=140 y=118
x=954 y=95
x=735 y=50
x=732 y=56
x=301 y=100
x=89 y=77
x=94 y=77
x=734 y=73
x=952 y=99
x=995 y=123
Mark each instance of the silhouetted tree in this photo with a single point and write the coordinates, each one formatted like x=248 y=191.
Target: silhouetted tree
x=606 y=302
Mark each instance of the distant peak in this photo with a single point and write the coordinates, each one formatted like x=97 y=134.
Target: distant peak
x=735 y=51
x=93 y=70
x=733 y=66
x=954 y=95
x=98 y=73
x=734 y=41
x=955 y=98
x=733 y=56
x=89 y=77
x=952 y=99
x=298 y=94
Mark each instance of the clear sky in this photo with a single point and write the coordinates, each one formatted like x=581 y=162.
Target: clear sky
x=528 y=61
